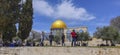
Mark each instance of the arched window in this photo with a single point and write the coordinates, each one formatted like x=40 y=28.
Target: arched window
x=81 y=31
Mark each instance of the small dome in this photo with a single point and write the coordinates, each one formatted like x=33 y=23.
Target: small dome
x=58 y=24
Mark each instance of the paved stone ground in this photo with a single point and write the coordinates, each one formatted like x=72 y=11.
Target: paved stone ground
x=59 y=51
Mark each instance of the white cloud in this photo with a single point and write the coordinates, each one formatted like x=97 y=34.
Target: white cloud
x=63 y=10
x=42 y=7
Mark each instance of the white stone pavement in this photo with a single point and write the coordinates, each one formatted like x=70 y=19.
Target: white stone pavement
x=59 y=51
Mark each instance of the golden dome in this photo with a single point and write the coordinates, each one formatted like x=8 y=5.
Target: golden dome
x=58 y=24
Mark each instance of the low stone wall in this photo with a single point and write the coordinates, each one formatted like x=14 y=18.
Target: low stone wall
x=59 y=51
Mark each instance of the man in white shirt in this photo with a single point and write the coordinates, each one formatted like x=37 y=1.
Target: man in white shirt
x=42 y=39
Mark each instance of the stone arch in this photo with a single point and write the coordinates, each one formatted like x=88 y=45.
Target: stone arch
x=77 y=29
x=84 y=29
x=68 y=36
x=80 y=31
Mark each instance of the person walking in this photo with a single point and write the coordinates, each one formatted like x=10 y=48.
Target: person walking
x=73 y=34
x=51 y=38
x=63 y=39
x=42 y=39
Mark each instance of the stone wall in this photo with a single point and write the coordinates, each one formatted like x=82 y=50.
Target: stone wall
x=59 y=51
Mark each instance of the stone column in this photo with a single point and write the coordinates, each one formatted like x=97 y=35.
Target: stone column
x=65 y=33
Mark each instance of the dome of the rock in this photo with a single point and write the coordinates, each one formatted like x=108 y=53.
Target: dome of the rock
x=58 y=24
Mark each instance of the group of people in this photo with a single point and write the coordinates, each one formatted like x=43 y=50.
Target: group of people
x=51 y=36
x=41 y=43
x=14 y=43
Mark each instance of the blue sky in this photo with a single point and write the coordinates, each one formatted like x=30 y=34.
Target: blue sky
x=75 y=13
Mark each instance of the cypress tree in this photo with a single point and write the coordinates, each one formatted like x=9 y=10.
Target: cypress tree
x=25 y=21
x=9 y=12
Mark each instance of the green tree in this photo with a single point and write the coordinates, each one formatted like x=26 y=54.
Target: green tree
x=107 y=33
x=25 y=21
x=57 y=37
x=9 y=33
x=115 y=22
x=83 y=36
x=9 y=11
